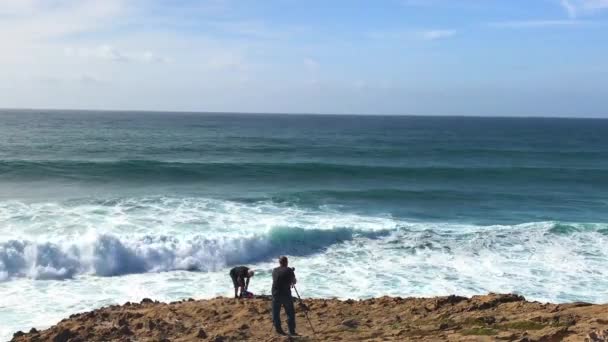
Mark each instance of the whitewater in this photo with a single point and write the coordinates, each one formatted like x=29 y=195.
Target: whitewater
x=99 y=208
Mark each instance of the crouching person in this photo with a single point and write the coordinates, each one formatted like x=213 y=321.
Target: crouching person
x=240 y=279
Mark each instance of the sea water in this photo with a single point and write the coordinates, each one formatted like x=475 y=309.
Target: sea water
x=98 y=208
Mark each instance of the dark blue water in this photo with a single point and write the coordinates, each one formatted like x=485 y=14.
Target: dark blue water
x=113 y=206
x=463 y=169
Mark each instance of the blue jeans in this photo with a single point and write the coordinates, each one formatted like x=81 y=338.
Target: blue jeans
x=287 y=303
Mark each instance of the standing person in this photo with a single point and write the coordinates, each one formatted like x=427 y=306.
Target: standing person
x=240 y=279
x=283 y=279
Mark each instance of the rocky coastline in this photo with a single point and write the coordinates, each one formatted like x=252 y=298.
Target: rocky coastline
x=492 y=317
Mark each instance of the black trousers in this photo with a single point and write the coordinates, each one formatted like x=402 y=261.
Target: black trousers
x=287 y=303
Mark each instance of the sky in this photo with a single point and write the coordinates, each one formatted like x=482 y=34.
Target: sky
x=414 y=57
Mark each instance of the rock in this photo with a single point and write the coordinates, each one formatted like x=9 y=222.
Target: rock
x=350 y=323
x=487 y=320
x=34 y=331
x=380 y=319
x=597 y=336
x=124 y=330
x=18 y=334
x=201 y=333
x=579 y=304
x=506 y=336
x=493 y=300
x=592 y=337
x=449 y=300
x=146 y=301
x=218 y=338
x=63 y=336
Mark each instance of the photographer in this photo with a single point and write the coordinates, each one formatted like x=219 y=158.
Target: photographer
x=283 y=279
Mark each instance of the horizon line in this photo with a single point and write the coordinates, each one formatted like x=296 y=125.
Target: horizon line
x=201 y=112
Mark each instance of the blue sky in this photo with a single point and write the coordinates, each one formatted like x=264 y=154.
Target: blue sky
x=425 y=57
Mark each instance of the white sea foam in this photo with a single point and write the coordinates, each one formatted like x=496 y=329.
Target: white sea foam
x=336 y=254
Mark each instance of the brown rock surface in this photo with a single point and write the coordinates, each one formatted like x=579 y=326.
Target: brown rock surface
x=491 y=317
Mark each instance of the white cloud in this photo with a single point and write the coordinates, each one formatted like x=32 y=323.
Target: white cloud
x=110 y=53
x=437 y=34
x=538 y=23
x=410 y=34
x=576 y=8
x=36 y=20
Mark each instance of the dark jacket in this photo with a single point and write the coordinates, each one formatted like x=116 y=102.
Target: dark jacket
x=282 y=279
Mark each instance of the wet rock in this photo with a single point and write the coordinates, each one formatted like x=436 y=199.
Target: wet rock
x=147 y=301
x=18 y=334
x=34 y=331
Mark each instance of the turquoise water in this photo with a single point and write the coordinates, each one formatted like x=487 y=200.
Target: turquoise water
x=116 y=206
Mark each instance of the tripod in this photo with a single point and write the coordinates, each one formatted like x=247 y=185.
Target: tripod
x=305 y=308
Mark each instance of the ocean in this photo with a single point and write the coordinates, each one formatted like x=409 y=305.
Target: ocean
x=99 y=208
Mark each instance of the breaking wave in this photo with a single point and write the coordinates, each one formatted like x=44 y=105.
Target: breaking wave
x=108 y=255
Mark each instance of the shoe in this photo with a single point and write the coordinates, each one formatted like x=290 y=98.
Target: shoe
x=280 y=332
x=294 y=334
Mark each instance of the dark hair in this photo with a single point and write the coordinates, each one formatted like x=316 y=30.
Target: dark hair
x=283 y=260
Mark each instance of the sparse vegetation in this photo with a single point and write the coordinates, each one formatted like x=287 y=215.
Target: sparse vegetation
x=480 y=331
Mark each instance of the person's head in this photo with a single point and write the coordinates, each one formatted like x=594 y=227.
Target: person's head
x=283 y=261
x=250 y=273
